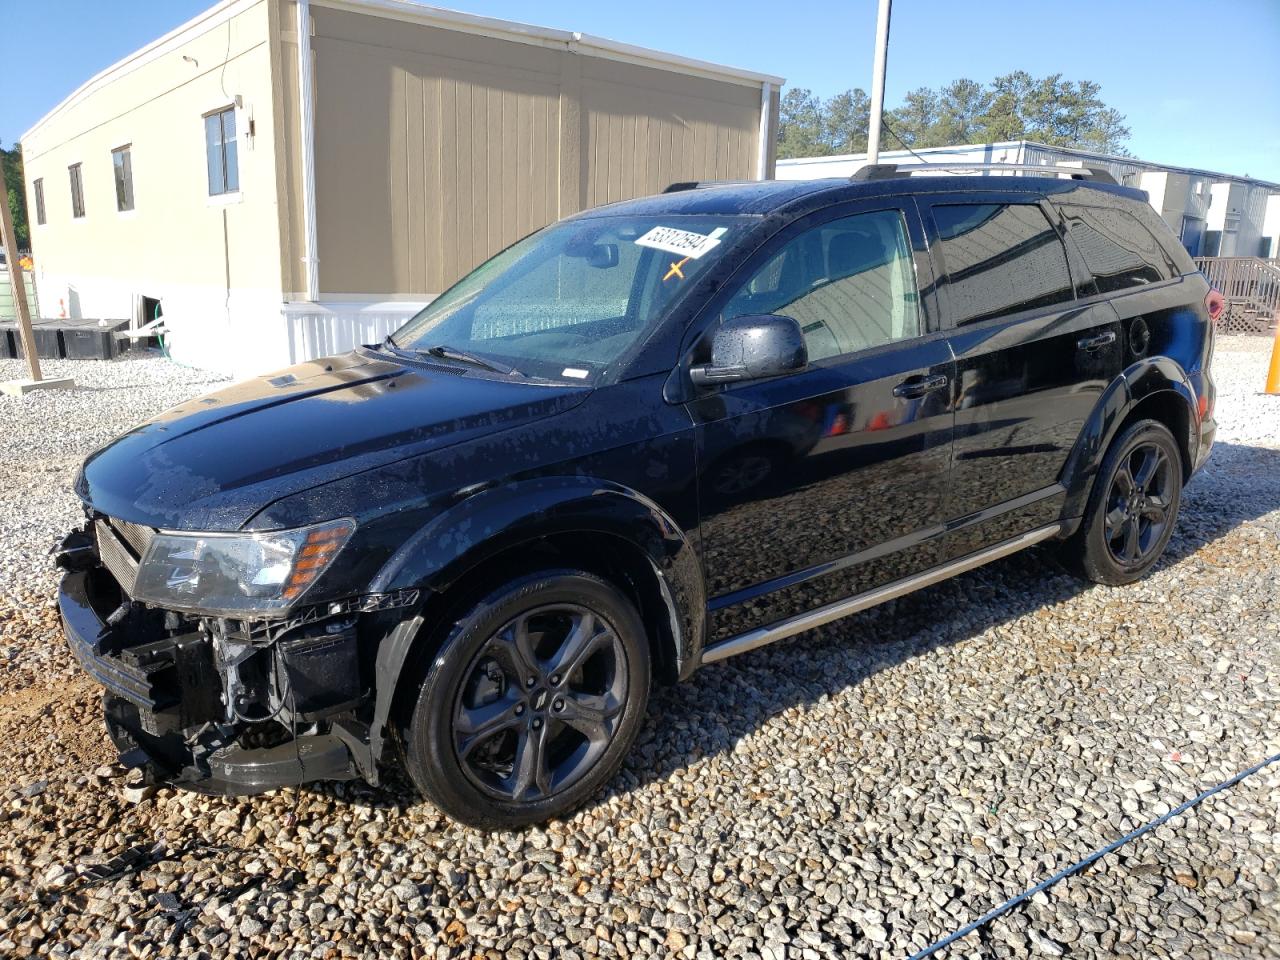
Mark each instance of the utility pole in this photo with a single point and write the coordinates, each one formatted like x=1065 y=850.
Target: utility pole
x=877 y=81
x=20 y=387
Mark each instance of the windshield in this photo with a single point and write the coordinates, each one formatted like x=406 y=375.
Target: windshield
x=567 y=301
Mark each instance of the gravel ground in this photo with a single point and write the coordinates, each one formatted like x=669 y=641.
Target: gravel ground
x=859 y=791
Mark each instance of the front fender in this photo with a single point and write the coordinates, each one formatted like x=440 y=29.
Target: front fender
x=505 y=517
x=1138 y=382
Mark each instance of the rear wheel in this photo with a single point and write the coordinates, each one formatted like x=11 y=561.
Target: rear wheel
x=532 y=702
x=1133 y=507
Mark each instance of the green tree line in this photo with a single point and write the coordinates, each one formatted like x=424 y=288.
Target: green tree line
x=16 y=194
x=1016 y=106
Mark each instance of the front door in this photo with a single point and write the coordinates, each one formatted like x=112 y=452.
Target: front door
x=829 y=482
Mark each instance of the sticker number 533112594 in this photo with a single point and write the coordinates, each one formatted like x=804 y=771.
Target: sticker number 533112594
x=683 y=242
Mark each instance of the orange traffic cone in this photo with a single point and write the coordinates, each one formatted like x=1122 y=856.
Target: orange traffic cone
x=1273 y=374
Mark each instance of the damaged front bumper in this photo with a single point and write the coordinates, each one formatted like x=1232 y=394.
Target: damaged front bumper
x=196 y=705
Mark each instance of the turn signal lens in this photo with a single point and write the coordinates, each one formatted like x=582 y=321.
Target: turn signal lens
x=318 y=550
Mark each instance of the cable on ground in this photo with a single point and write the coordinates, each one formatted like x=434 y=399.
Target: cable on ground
x=1091 y=858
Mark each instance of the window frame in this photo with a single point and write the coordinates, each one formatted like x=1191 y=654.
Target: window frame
x=227 y=194
x=37 y=195
x=1075 y=272
x=75 y=171
x=708 y=317
x=125 y=151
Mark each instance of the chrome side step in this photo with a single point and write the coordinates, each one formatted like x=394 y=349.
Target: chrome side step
x=762 y=636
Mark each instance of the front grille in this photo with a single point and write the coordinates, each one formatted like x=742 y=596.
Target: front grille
x=136 y=536
x=115 y=556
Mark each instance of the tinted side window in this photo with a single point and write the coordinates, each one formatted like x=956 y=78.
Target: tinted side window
x=850 y=284
x=1000 y=258
x=1118 y=250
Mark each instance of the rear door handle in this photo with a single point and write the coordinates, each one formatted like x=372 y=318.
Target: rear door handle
x=916 y=387
x=1097 y=342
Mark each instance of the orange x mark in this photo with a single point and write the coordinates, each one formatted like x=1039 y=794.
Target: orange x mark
x=675 y=270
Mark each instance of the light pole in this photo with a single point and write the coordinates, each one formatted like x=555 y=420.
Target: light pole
x=877 y=81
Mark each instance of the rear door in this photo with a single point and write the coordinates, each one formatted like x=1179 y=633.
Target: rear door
x=1133 y=271
x=1031 y=361
x=828 y=482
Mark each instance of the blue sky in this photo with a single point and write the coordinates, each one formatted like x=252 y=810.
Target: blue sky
x=1199 y=80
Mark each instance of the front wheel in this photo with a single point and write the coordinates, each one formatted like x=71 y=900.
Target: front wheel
x=532 y=702
x=1133 y=507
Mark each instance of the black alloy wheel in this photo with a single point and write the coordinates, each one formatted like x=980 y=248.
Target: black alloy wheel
x=1138 y=504
x=540 y=703
x=530 y=702
x=1132 y=509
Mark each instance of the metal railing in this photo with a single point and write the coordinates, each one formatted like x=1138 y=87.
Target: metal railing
x=9 y=312
x=1251 y=286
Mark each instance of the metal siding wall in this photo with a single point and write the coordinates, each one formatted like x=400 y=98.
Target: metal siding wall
x=646 y=129
x=1118 y=169
x=641 y=140
x=435 y=149
x=1253 y=213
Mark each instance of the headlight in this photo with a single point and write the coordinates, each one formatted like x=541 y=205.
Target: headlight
x=238 y=574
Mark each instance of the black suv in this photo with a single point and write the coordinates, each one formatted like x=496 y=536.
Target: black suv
x=646 y=438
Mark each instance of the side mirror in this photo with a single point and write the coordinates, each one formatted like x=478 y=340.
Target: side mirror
x=752 y=348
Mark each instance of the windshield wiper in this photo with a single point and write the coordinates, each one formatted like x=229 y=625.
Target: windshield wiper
x=448 y=353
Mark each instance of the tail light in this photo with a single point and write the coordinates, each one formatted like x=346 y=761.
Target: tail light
x=1215 y=303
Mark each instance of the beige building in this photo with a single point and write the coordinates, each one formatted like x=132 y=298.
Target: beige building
x=277 y=200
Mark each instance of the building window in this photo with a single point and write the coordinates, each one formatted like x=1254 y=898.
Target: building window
x=220 y=148
x=77 y=191
x=122 y=160
x=37 y=187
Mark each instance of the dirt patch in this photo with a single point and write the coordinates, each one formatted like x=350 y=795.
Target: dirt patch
x=52 y=731
x=33 y=650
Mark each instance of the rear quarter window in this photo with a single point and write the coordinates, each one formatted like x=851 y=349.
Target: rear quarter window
x=1118 y=250
x=999 y=258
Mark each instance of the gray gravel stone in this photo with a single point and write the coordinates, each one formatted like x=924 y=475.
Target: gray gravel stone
x=859 y=791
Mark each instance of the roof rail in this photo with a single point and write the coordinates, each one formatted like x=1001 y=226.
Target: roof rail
x=889 y=171
x=681 y=185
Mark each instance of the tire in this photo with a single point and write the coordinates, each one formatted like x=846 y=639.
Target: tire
x=1131 y=513
x=496 y=753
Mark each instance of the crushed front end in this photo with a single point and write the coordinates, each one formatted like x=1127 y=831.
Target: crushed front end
x=221 y=703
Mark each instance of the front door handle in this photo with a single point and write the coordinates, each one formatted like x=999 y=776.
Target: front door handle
x=915 y=387
x=1097 y=342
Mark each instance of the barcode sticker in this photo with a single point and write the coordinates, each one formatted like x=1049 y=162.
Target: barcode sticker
x=683 y=242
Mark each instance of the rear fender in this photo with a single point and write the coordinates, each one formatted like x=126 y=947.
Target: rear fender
x=1142 y=380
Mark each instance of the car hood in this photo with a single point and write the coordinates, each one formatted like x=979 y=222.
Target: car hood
x=213 y=462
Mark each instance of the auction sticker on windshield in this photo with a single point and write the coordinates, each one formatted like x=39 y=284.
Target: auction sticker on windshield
x=682 y=241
